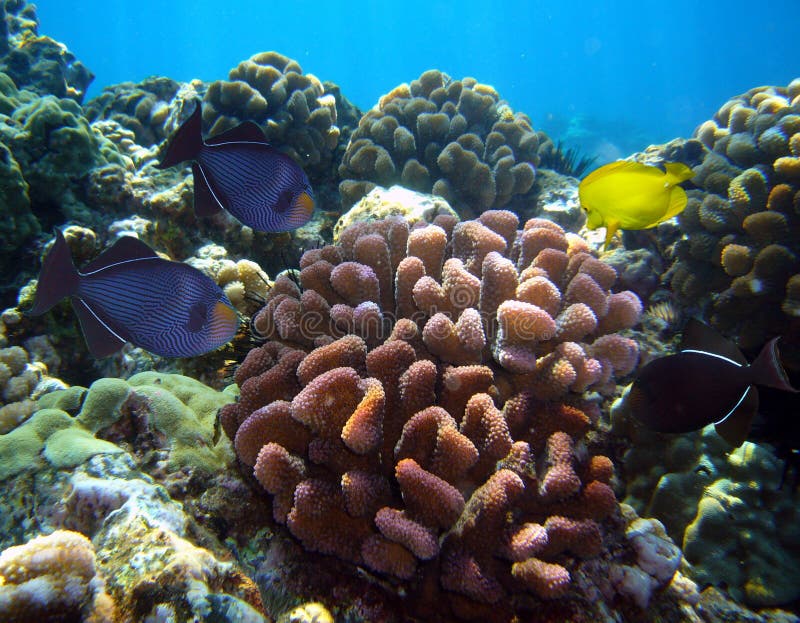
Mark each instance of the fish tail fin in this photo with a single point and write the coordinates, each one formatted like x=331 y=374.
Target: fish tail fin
x=187 y=142
x=58 y=278
x=767 y=369
x=678 y=172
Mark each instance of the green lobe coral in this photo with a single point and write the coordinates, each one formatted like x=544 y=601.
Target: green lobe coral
x=147 y=412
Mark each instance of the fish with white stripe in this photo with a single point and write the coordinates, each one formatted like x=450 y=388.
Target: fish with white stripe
x=130 y=294
x=708 y=381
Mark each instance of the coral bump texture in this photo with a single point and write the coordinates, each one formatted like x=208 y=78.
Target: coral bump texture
x=421 y=401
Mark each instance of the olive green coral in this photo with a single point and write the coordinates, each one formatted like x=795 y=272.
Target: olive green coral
x=169 y=410
x=455 y=138
x=35 y=62
x=180 y=408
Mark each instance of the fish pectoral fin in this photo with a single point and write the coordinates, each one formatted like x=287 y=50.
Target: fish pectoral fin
x=205 y=201
x=736 y=426
x=101 y=339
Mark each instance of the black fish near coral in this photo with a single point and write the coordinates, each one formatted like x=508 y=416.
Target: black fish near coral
x=130 y=294
x=707 y=381
x=239 y=171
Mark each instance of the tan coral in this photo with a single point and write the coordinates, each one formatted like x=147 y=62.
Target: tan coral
x=454 y=138
x=52 y=577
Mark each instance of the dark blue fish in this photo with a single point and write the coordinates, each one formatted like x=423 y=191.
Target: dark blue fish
x=129 y=294
x=239 y=171
x=707 y=381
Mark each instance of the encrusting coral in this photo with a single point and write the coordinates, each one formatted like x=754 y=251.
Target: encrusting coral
x=740 y=255
x=151 y=412
x=454 y=138
x=420 y=400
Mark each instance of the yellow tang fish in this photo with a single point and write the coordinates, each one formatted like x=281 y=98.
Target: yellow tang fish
x=631 y=195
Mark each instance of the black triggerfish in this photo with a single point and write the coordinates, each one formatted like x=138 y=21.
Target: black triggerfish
x=238 y=170
x=707 y=381
x=130 y=294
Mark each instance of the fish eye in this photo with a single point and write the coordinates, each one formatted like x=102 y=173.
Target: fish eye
x=197 y=317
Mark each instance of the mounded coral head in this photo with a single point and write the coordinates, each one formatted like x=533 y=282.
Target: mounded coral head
x=455 y=138
x=740 y=253
x=298 y=113
x=53 y=577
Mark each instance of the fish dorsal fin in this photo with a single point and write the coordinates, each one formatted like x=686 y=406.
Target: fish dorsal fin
x=699 y=336
x=735 y=427
x=677 y=172
x=123 y=250
x=205 y=201
x=677 y=202
x=245 y=132
x=187 y=142
x=101 y=339
x=614 y=168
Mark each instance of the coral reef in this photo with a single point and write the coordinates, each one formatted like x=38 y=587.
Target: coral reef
x=152 y=414
x=148 y=109
x=146 y=563
x=48 y=151
x=381 y=202
x=422 y=406
x=454 y=138
x=739 y=257
x=34 y=62
x=727 y=509
x=298 y=113
x=415 y=404
x=53 y=578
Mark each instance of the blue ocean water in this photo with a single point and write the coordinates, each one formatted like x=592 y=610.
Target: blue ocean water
x=612 y=76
